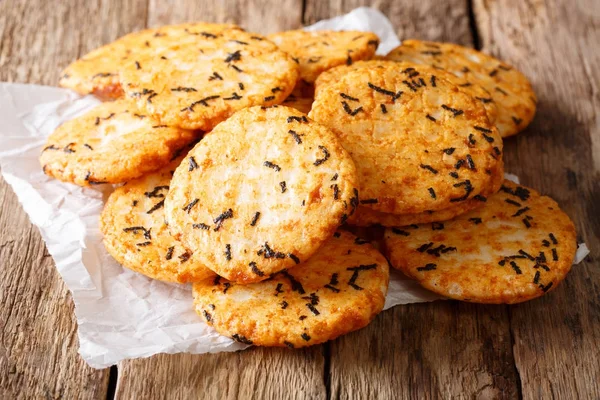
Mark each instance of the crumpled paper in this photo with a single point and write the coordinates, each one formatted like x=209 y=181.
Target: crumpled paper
x=122 y=314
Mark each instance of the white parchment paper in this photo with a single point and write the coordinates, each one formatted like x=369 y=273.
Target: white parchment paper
x=122 y=314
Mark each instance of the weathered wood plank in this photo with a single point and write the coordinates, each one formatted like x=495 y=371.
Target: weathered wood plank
x=255 y=373
x=429 y=20
x=555 y=44
x=259 y=16
x=435 y=350
x=258 y=373
x=38 y=349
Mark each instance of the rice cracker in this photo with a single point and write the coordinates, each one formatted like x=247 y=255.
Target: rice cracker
x=338 y=290
x=509 y=89
x=419 y=142
x=318 y=51
x=516 y=247
x=112 y=143
x=202 y=78
x=136 y=235
x=261 y=193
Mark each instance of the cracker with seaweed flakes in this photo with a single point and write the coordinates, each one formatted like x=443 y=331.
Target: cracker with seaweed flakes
x=478 y=92
x=97 y=72
x=509 y=89
x=365 y=216
x=136 y=235
x=261 y=193
x=112 y=143
x=418 y=141
x=319 y=51
x=338 y=290
x=203 y=77
x=516 y=247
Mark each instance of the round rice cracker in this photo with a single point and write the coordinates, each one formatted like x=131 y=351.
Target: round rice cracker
x=97 y=72
x=203 y=78
x=319 y=51
x=261 y=193
x=510 y=90
x=419 y=142
x=338 y=290
x=516 y=247
x=136 y=235
x=112 y=143
x=365 y=216
x=478 y=92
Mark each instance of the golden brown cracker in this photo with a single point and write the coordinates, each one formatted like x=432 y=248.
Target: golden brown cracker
x=261 y=193
x=516 y=247
x=338 y=290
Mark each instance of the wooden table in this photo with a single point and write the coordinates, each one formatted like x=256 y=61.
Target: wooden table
x=541 y=349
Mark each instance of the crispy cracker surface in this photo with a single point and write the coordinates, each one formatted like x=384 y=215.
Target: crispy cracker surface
x=516 y=247
x=338 y=290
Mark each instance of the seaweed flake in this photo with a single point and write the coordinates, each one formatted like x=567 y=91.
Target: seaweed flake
x=455 y=112
x=283 y=186
x=516 y=268
x=369 y=201
x=393 y=95
x=296 y=286
x=437 y=226
x=432 y=193
x=449 y=150
x=255 y=269
x=294 y=257
x=184 y=89
x=351 y=111
x=188 y=207
x=427 y=267
x=156 y=192
x=170 y=252
x=272 y=165
x=400 y=232
x=296 y=136
x=221 y=218
x=235 y=56
x=325 y=156
x=234 y=96
x=157 y=206
x=193 y=165
x=255 y=218
x=347 y=97
x=356 y=270
x=468 y=190
x=429 y=168
x=429 y=117
x=202 y=226
x=521 y=211
x=228 y=252
x=241 y=339
x=475 y=220
x=201 y=101
x=336 y=191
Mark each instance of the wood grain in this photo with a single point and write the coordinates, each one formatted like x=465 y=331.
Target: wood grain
x=38 y=350
x=555 y=44
x=261 y=16
x=429 y=20
x=257 y=373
